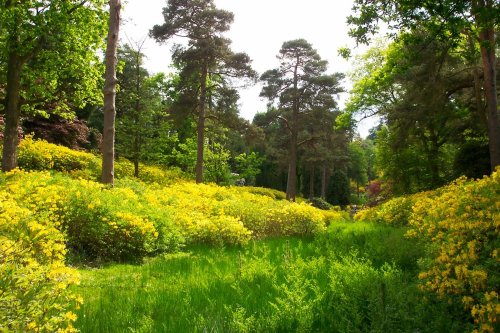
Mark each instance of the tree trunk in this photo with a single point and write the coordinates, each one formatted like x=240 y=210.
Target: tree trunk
x=12 y=112
x=201 y=124
x=108 y=141
x=291 y=184
x=323 y=183
x=137 y=115
x=490 y=92
x=311 y=183
x=487 y=44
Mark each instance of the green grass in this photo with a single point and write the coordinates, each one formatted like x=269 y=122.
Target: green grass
x=354 y=278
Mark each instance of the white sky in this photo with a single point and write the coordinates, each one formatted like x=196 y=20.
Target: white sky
x=260 y=27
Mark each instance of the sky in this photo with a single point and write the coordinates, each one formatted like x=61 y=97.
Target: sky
x=260 y=27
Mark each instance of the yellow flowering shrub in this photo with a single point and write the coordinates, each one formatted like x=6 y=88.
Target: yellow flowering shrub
x=295 y=219
x=99 y=222
x=396 y=211
x=272 y=193
x=462 y=224
x=335 y=215
x=367 y=214
x=34 y=281
x=41 y=155
x=260 y=214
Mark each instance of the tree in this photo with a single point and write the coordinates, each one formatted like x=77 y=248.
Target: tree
x=447 y=21
x=296 y=88
x=48 y=60
x=207 y=59
x=248 y=166
x=141 y=104
x=110 y=81
x=358 y=164
x=424 y=92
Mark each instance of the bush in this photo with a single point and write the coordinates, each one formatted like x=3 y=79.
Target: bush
x=320 y=203
x=269 y=192
x=459 y=222
x=40 y=155
x=97 y=221
x=294 y=219
x=462 y=224
x=34 y=294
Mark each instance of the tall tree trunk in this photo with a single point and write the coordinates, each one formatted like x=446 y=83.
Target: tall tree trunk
x=323 y=182
x=490 y=91
x=487 y=43
x=311 y=182
x=477 y=83
x=12 y=112
x=137 y=115
x=108 y=140
x=291 y=184
x=201 y=124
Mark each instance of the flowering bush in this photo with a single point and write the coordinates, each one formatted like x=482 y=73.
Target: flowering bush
x=462 y=223
x=96 y=220
x=34 y=294
x=41 y=155
x=295 y=219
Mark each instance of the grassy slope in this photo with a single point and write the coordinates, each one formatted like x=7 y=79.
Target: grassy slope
x=338 y=282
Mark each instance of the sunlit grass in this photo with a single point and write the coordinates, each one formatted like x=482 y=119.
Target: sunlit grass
x=246 y=288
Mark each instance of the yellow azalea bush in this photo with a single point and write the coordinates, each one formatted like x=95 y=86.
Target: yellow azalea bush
x=260 y=214
x=396 y=211
x=98 y=222
x=463 y=225
x=272 y=193
x=41 y=155
x=34 y=281
x=295 y=219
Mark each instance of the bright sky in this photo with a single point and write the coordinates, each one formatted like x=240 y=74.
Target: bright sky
x=260 y=27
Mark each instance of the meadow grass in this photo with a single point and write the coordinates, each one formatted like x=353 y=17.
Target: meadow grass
x=356 y=277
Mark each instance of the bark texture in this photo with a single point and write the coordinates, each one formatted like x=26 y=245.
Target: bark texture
x=108 y=141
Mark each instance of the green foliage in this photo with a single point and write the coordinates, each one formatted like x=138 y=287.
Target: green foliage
x=217 y=164
x=320 y=203
x=355 y=277
x=248 y=166
x=57 y=46
x=141 y=103
x=459 y=224
x=339 y=190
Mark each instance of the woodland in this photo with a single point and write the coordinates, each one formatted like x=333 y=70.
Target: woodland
x=141 y=202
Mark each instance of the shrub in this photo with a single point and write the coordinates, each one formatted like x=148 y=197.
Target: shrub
x=320 y=203
x=34 y=294
x=97 y=221
x=462 y=224
x=269 y=192
x=41 y=155
x=294 y=219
